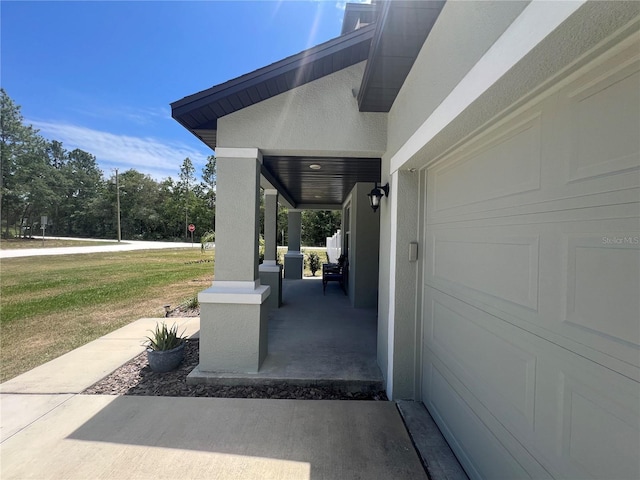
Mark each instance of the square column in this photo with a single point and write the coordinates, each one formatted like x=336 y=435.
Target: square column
x=270 y=271
x=293 y=259
x=233 y=317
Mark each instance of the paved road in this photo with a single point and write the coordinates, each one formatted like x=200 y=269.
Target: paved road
x=114 y=247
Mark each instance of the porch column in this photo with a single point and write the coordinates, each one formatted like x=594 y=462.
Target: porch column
x=233 y=317
x=293 y=262
x=270 y=271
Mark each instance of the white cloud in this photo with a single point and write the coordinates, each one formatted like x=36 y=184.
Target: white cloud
x=158 y=158
x=137 y=115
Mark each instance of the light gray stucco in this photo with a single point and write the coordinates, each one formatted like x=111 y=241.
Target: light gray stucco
x=463 y=32
x=270 y=224
x=237 y=220
x=233 y=319
x=293 y=259
x=233 y=337
x=270 y=271
x=398 y=327
x=318 y=118
x=363 y=252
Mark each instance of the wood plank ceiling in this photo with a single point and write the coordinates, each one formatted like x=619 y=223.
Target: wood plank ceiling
x=309 y=181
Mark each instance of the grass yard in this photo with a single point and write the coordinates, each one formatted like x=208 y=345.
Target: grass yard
x=51 y=305
x=35 y=242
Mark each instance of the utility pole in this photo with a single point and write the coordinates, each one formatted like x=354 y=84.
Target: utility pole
x=118 y=205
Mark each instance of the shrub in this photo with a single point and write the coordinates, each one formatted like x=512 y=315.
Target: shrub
x=207 y=240
x=314 y=263
x=192 y=303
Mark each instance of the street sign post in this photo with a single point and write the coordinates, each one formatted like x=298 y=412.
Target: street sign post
x=192 y=228
x=43 y=226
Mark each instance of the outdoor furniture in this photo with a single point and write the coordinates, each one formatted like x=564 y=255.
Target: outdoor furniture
x=333 y=272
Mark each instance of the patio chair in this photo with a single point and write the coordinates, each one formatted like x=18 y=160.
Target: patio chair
x=335 y=272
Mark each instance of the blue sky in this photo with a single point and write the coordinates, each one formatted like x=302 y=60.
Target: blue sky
x=100 y=75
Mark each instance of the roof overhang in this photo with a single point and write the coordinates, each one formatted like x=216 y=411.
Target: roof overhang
x=390 y=47
x=401 y=29
x=199 y=112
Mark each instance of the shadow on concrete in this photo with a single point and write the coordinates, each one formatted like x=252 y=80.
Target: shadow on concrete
x=307 y=439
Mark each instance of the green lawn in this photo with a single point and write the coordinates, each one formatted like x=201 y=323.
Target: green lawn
x=51 y=305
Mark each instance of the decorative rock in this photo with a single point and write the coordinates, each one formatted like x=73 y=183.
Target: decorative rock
x=136 y=378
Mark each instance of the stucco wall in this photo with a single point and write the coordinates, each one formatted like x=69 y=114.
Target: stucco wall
x=363 y=254
x=237 y=217
x=319 y=118
x=398 y=330
x=384 y=270
x=463 y=32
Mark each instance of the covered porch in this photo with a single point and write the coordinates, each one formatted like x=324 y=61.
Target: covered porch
x=314 y=339
x=329 y=158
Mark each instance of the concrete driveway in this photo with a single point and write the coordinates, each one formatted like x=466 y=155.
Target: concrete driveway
x=50 y=430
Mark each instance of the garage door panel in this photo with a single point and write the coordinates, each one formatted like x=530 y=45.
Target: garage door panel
x=464 y=423
x=603 y=121
x=503 y=266
x=470 y=179
x=559 y=279
x=531 y=282
x=603 y=281
x=502 y=380
x=592 y=415
x=587 y=153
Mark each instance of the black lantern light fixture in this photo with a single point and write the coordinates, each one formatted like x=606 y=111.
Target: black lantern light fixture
x=376 y=195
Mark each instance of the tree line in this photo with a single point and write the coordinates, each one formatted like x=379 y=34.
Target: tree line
x=41 y=178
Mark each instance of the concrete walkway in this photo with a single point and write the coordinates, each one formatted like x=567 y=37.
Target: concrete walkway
x=314 y=339
x=114 y=246
x=50 y=430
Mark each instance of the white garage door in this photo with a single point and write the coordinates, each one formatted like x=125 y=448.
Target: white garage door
x=531 y=300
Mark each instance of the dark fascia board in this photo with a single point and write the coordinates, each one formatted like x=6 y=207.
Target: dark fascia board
x=383 y=14
x=383 y=30
x=253 y=79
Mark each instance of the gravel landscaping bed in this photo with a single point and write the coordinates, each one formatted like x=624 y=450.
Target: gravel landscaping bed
x=136 y=378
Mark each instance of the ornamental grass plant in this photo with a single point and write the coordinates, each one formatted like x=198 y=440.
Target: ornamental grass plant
x=164 y=338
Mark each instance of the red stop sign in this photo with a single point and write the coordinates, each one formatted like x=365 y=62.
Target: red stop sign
x=192 y=227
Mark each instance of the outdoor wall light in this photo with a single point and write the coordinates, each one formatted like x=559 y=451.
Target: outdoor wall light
x=376 y=195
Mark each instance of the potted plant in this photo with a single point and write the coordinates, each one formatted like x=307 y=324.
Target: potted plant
x=165 y=348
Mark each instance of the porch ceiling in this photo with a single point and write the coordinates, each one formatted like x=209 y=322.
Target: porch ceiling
x=302 y=186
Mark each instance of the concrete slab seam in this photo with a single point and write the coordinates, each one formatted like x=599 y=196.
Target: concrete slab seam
x=41 y=416
x=415 y=447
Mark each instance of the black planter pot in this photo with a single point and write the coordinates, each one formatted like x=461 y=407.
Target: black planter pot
x=165 y=360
